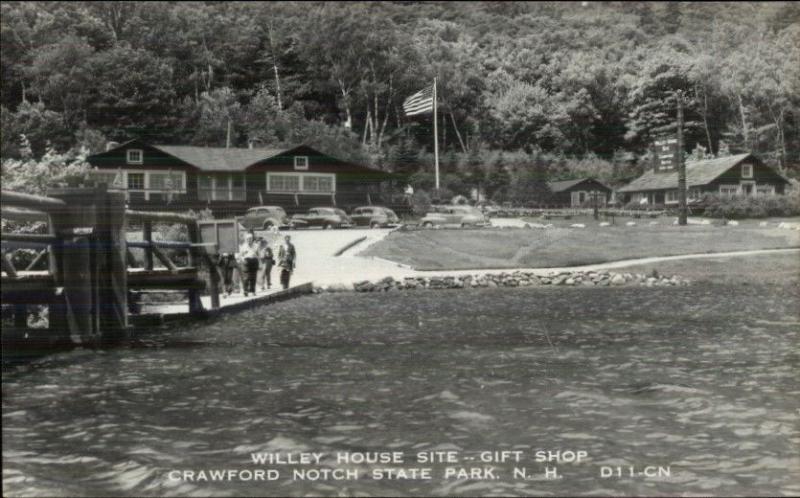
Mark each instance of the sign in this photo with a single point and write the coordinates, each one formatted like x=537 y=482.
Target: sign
x=665 y=154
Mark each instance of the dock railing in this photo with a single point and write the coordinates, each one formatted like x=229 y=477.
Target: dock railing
x=87 y=283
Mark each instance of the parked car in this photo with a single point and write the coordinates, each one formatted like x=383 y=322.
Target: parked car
x=325 y=217
x=265 y=217
x=374 y=216
x=455 y=215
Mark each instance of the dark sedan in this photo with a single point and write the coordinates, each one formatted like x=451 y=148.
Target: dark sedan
x=325 y=217
x=374 y=216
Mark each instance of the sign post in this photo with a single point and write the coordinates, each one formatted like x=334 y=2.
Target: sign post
x=682 y=214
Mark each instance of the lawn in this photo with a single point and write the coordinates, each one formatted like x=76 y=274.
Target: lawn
x=564 y=246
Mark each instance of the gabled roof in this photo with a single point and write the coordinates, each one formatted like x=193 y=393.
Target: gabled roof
x=219 y=158
x=698 y=173
x=564 y=185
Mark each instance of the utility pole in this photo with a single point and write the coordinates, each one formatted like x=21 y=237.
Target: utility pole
x=436 y=136
x=228 y=138
x=681 y=165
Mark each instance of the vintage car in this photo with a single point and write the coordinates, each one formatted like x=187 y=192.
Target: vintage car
x=264 y=218
x=463 y=216
x=374 y=216
x=325 y=217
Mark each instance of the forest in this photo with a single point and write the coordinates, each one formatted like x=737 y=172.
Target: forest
x=526 y=90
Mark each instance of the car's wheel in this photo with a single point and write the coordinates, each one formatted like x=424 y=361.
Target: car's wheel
x=267 y=225
x=427 y=224
x=374 y=224
x=464 y=225
x=326 y=226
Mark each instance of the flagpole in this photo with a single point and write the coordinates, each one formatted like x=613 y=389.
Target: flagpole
x=435 y=137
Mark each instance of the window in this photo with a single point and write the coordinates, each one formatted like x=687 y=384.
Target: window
x=747 y=170
x=694 y=193
x=106 y=177
x=301 y=162
x=135 y=181
x=301 y=183
x=238 y=192
x=165 y=181
x=728 y=190
x=765 y=190
x=135 y=156
x=670 y=196
x=204 y=187
x=317 y=183
x=283 y=183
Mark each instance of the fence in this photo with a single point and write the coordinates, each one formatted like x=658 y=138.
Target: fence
x=88 y=282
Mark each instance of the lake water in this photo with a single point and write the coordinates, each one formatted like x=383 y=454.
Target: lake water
x=702 y=380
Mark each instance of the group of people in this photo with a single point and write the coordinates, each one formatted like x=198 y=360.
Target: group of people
x=254 y=261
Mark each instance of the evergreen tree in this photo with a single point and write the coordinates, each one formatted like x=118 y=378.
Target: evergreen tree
x=498 y=180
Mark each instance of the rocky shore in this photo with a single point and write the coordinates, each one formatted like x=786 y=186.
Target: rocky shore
x=512 y=279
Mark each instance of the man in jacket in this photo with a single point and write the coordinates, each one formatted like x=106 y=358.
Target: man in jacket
x=287 y=258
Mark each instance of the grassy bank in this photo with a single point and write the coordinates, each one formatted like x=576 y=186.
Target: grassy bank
x=559 y=246
x=782 y=269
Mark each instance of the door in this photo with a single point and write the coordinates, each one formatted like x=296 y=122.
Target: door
x=748 y=188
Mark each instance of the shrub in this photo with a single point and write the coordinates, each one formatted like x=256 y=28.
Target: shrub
x=738 y=207
x=420 y=202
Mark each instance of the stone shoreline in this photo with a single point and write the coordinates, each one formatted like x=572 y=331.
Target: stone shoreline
x=511 y=279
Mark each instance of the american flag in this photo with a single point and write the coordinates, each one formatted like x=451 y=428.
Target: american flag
x=419 y=103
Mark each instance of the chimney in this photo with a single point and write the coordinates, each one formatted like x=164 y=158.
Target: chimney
x=111 y=145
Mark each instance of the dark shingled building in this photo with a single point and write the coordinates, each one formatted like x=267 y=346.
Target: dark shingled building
x=742 y=174
x=230 y=180
x=579 y=192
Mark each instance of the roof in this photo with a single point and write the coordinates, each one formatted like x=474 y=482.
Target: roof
x=219 y=158
x=698 y=173
x=564 y=185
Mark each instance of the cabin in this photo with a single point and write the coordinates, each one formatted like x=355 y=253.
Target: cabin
x=228 y=181
x=742 y=175
x=581 y=192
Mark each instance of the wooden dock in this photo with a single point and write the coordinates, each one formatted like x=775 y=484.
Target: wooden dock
x=86 y=275
x=161 y=314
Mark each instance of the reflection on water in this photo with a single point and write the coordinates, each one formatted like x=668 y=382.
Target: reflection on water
x=711 y=390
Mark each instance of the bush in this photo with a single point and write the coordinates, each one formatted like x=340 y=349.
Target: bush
x=738 y=207
x=420 y=202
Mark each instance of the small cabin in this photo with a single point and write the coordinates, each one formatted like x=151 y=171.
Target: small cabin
x=581 y=192
x=742 y=175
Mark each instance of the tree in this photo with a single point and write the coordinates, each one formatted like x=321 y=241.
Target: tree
x=42 y=128
x=529 y=187
x=498 y=180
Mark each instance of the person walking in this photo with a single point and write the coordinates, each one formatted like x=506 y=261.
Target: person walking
x=227 y=264
x=266 y=261
x=248 y=252
x=287 y=259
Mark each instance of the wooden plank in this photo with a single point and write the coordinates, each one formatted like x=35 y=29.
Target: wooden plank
x=147 y=235
x=37 y=238
x=159 y=216
x=166 y=244
x=163 y=258
x=39 y=257
x=195 y=304
x=17 y=214
x=37 y=202
x=8 y=266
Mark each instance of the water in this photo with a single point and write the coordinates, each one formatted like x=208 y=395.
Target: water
x=672 y=377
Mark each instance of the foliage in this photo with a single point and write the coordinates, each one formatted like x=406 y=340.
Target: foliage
x=738 y=207
x=420 y=202
x=560 y=82
x=35 y=176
